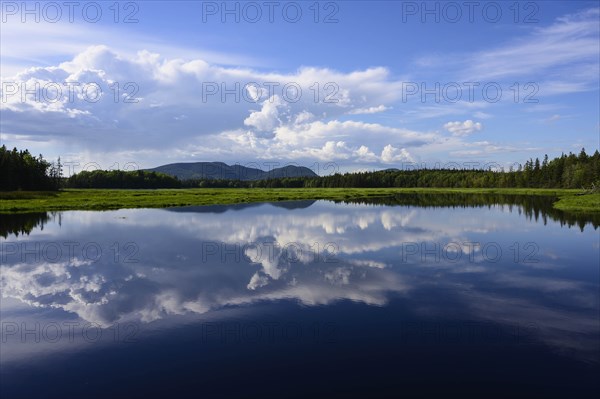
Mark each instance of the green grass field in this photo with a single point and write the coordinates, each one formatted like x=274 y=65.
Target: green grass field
x=582 y=203
x=104 y=199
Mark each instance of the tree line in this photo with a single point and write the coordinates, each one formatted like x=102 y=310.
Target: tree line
x=19 y=170
x=122 y=179
x=566 y=171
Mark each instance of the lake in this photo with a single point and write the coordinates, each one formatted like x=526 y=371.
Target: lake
x=412 y=295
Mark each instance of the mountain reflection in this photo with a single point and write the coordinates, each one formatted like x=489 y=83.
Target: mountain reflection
x=145 y=265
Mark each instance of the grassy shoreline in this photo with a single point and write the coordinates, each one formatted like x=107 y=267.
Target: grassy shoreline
x=109 y=199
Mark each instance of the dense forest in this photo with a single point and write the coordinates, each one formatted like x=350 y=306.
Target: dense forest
x=566 y=171
x=21 y=171
x=122 y=179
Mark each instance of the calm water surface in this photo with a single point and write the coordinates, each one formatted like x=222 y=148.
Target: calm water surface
x=301 y=299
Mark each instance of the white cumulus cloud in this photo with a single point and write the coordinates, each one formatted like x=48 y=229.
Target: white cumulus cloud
x=463 y=128
x=391 y=154
x=370 y=110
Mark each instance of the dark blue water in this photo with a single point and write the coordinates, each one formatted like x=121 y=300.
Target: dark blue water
x=301 y=299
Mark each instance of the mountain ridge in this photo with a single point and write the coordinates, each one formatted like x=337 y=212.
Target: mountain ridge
x=220 y=170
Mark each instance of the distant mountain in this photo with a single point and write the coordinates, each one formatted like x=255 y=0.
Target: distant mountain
x=220 y=170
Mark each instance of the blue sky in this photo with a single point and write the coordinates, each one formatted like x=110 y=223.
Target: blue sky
x=370 y=63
